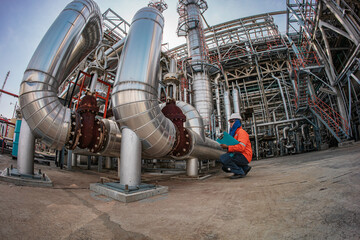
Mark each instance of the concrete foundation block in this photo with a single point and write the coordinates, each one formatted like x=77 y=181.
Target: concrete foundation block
x=36 y=180
x=122 y=196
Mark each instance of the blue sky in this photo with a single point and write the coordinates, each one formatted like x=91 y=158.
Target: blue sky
x=23 y=23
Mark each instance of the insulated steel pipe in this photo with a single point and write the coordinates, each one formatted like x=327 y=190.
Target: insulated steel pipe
x=217 y=97
x=208 y=149
x=25 y=160
x=134 y=95
x=236 y=101
x=110 y=54
x=190 y=24
x=227 y=107
x=203 y=97
x=194 y=121
x=192 y=167
x=112 y=142
x=130 y=163
x=73 y=35
x=201 y=147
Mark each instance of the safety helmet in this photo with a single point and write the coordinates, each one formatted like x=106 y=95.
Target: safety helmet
x=235 y=116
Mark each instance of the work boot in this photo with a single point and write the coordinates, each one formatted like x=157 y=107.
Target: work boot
x=225 y=169
x=235 y=176
x=248 y=170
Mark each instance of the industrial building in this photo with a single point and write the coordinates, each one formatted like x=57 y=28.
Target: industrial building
x=102 y=91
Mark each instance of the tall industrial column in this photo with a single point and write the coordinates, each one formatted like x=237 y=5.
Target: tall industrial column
x=190 y=26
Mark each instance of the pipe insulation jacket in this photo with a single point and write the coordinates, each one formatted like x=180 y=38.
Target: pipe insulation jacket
x=73 y=35
x=134 y=96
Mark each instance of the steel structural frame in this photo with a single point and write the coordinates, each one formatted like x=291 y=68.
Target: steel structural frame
x=250 y=52
x=332 y=30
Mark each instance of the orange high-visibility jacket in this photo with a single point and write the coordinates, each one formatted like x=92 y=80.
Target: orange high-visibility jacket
x=244 y=145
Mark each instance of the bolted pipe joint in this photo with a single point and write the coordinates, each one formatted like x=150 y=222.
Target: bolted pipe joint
x=183 y=141
x=86 y=130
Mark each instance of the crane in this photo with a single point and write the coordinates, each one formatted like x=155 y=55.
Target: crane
x=2 y=88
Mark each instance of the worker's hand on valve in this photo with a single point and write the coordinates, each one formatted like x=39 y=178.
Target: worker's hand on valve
x=224 y=146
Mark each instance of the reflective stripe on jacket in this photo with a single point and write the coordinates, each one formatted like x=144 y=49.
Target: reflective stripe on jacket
x=244 y=145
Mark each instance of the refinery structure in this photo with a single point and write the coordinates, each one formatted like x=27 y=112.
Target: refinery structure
x=104 y=88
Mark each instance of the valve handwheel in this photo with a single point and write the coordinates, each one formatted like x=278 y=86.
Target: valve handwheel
x=102 y=60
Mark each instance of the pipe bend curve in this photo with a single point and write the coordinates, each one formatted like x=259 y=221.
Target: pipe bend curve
x=134 y=96
x=74 y=34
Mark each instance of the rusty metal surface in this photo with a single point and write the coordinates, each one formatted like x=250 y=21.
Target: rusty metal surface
x=87 y=131
x=183 y=139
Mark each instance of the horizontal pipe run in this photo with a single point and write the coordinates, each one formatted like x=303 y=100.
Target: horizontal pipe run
x=280 y=122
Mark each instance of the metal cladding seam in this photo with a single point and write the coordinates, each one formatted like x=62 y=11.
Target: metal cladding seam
x=73 y=35
x=134 y=96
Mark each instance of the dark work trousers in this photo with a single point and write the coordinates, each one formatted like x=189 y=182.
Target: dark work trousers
x=235 y=163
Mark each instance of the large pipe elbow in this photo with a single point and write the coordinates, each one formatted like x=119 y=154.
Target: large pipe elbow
x=201 y=147
x=134 y=96
x=194 y=121
x=73 y=35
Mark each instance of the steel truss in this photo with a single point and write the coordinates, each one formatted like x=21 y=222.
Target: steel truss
x=311 y=72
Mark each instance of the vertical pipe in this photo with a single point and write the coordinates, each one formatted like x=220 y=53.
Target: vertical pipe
x=100 y=163
x=94 y=81
x=227 y=107
x=62 y=156
x=25 y=161
x=235 y=95
x=89 y=162
x=256 y=138
x=108 y=164
x=69 y=160
x=246 y=94
x=283 y=97
x=217 y=98
x=202 y=94
x=192 y=166
x=74 y=157
x=130 y=171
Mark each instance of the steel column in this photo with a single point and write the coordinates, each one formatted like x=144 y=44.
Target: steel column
x=25 y=161
x=130 y=169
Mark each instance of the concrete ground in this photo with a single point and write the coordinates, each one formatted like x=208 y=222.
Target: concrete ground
x=309 y=196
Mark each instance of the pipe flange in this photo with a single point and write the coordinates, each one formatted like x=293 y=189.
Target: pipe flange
x=184 y=145
x=105 y=136
x=75 y=132
x=98 y=137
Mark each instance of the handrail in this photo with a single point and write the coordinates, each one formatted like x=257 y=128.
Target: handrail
x=82 y=89
x=336 y=118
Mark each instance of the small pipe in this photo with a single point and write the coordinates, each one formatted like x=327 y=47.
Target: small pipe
x=282 y=96
x=74 y=157
x=93 y=81
x=227 y=106
x=69 y=160
x=280 y=122
x=192 y=167
x=303 y=131
x=235 y=95
x=285 y=132
x=89 y=162
x=108 y=164
x=217 y=98
x=256 y=137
